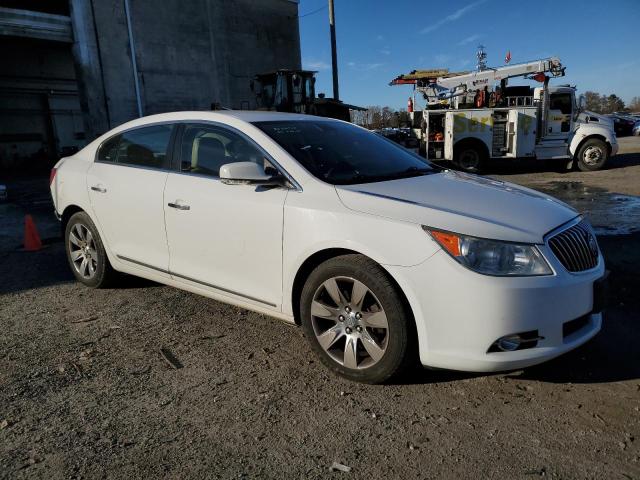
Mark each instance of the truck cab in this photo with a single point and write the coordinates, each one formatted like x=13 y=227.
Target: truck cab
x=571 y=133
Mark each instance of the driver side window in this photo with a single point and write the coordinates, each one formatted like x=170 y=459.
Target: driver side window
x=206 y=148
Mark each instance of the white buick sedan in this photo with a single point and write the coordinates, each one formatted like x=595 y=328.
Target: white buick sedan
x=380 y=256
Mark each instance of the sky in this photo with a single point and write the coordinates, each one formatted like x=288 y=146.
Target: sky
x=377 y=40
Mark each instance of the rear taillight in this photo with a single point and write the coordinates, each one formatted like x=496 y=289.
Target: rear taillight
x=52 y=176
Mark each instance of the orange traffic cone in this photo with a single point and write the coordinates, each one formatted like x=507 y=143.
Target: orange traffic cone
x=32 y=240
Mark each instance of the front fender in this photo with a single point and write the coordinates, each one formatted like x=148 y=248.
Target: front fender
x=587 y=131
x=308 y=230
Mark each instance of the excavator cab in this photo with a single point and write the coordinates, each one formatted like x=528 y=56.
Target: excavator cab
x=294 y=91
x=285 y=90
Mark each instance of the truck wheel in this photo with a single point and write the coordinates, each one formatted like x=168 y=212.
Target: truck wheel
x=592 y=155
x=469 y=157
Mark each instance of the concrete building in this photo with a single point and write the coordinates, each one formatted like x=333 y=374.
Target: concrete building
x=73 y=69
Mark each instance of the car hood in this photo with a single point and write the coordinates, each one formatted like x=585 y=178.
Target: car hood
x=462 y=203
x=592 y=117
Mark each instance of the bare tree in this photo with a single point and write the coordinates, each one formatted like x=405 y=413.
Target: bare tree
x=593 y=101
x=634 y=105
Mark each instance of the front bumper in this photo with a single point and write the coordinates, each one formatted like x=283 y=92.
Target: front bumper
x=460 y=314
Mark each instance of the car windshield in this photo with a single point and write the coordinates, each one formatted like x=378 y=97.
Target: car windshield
x=343 y=154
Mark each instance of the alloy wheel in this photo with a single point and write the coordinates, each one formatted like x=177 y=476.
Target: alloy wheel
x=349 y=322
x=82 y=251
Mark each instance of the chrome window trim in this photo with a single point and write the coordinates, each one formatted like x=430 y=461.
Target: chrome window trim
x=296 y=186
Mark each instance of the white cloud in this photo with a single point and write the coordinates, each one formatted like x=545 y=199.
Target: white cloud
x=316 y=65
x=365 y=66
x=469 y=39
x=385 y=51
x=441 y=58
x=625 y=65
x=380 y=38
x=452 y=17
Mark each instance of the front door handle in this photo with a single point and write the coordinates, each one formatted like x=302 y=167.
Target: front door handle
x=179 y=206
x=99 y=188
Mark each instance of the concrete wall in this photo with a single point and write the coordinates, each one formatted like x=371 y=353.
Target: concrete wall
x=189 y=54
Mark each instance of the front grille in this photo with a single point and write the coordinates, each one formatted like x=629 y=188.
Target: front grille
x=576 y=247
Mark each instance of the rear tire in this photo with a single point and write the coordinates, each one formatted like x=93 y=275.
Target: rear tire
x=367 y=337
x=592 y=155
x=469 y=157
x=86 y=254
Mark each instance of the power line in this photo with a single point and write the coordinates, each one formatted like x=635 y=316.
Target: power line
x=313 y=11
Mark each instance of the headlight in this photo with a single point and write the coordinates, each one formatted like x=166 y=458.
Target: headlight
x=492 y=257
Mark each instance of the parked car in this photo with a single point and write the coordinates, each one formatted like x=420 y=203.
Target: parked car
x=402 y=136
x=380 y=256
x=636 y=129
x=623 y=124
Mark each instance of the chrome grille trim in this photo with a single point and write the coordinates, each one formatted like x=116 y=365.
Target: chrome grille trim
x=576 y=247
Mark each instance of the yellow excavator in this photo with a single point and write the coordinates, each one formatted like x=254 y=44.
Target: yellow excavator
x=294 y=91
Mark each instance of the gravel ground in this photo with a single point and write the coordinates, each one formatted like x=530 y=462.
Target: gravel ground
x=86 y=393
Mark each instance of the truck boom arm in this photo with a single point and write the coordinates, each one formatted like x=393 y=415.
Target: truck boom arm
x=477 y=80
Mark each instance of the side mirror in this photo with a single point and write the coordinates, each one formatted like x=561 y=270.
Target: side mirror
x=582 y=103
x=247 y=173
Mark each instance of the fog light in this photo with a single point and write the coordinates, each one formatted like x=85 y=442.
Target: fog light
x=516 y=341
x=509 y=343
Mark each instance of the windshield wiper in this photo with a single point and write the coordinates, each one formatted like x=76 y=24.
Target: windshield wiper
x=409 y=172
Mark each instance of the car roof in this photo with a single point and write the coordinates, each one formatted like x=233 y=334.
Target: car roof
x=221 y=115
x=229 y=117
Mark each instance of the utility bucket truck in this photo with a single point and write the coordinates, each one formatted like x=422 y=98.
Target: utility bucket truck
x=471 y=117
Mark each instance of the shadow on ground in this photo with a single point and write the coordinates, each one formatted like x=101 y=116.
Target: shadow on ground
x=521 y=166
x=20 y=270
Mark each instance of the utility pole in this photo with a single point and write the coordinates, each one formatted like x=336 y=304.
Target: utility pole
x=334 y=54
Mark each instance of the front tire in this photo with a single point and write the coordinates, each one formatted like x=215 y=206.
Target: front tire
x=592 y=155
x=86 y=254
x=356 y=320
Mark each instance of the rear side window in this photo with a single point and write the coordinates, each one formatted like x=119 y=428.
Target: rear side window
x=109 y=150
x=145 y=147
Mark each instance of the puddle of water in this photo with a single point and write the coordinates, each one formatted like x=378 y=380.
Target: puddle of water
x=609 y=213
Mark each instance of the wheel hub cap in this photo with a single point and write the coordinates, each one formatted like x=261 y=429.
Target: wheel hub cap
x=592 y=155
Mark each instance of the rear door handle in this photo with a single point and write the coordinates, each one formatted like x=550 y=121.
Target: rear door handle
x=99 y=188
x=179 y=206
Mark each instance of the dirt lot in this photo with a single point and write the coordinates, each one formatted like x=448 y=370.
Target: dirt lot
x=85 y=392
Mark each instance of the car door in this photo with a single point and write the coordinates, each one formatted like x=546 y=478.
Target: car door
x=559 y=116
x=226 y=238
x=126 y=184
